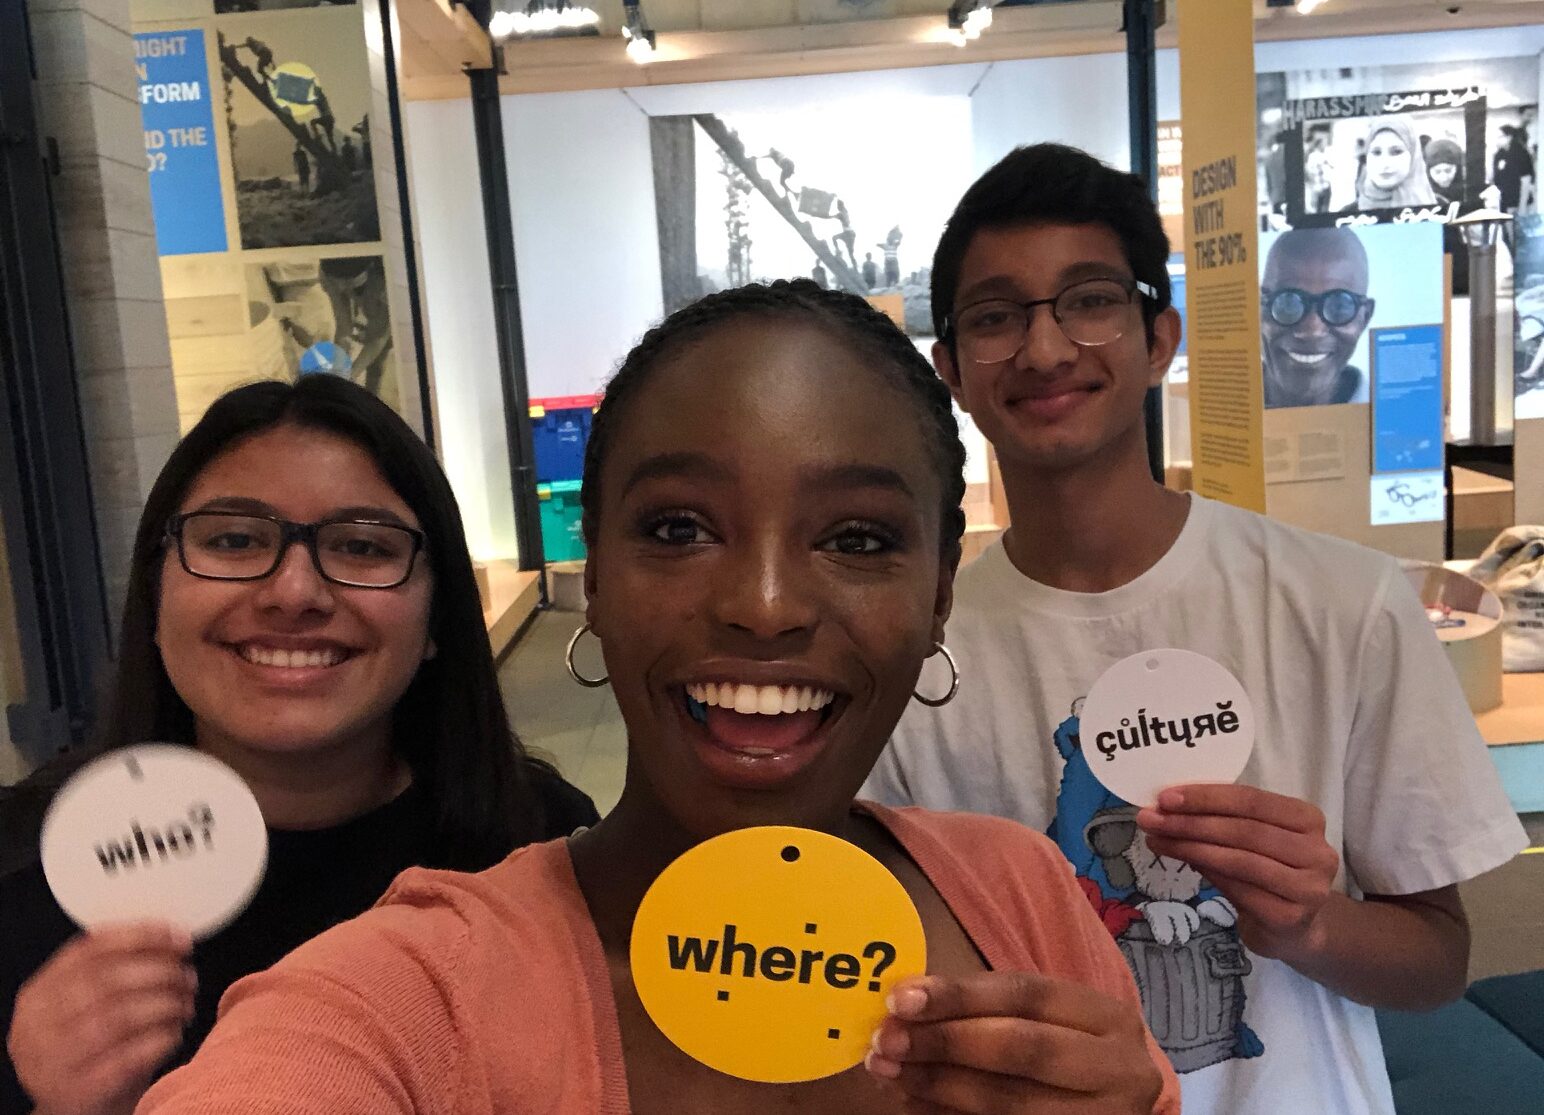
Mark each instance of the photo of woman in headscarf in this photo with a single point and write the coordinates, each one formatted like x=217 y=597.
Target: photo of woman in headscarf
x=1445 y=171
x=1395 y=172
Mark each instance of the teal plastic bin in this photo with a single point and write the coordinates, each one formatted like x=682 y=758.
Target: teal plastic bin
x=562 y=535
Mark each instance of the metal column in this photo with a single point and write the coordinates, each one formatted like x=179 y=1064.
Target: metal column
x=494 y=179
x=409 y=239
x=1142 y=18
x=52 y=554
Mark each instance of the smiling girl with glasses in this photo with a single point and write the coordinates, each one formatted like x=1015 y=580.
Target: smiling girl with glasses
x=301 y=605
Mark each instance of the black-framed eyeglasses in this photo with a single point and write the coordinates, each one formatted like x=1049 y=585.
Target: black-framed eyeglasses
x=1288 y=306
x=1090 y=313
x=222 y=546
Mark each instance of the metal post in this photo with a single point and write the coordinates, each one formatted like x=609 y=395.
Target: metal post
x=494 y=179
x=409 y=244
x=1482 y=343
x=1141 y=21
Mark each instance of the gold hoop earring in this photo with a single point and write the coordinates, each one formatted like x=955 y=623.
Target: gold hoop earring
x=954 y=680
x=568 y=660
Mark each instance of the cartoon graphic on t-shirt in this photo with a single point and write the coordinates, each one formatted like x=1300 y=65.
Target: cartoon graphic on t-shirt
x=1175 y=930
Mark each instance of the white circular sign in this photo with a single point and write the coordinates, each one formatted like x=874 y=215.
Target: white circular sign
x=1165 y=718
x=156 y=832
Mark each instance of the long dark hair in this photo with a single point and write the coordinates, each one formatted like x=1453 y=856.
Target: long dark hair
x=450 y=725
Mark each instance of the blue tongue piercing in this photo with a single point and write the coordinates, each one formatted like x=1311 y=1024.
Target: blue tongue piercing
x=698 y=710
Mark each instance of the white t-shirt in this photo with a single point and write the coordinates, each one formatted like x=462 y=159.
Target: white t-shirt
x=1357 y=711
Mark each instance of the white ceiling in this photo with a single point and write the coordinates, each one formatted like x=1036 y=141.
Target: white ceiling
x=725 y=40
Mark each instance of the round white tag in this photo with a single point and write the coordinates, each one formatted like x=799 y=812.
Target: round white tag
x=1165 y=718
x=156 y=832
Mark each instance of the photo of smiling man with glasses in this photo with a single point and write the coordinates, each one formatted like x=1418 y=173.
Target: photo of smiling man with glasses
x=1314 y=309
x=1265 y=920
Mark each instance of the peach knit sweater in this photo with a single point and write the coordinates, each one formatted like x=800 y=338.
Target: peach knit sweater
x=489 y=994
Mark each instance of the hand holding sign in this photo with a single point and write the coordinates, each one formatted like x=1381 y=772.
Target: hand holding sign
x=154 y=831
x=1165 y=717
x=1015 y=1041
x=766 y=953
x=1265 y=852
x=1169 y=729
x=94 y=1023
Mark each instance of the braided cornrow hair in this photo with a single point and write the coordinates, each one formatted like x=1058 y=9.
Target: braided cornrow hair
x=848 y=315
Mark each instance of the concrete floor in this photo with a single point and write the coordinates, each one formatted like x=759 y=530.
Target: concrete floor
x=581 y=730
x=578 y=729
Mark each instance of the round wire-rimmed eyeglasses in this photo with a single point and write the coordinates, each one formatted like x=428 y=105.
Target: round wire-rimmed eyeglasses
x=1089 y=313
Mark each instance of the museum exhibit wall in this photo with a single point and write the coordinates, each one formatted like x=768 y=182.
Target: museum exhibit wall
x=588 y=213
x=1489 y=79
x=458 y=309
x=268 y=145
x=582 y=183
x=1079 y=101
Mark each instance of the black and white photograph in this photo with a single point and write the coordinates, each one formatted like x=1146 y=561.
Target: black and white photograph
x=309 y=315
x=1429 y=141
x=228 y=7
x=1396 y=161
x=1418 y=152
x=845 y=197
x=1512 y=154
x=297 y=98
x=1528 y=358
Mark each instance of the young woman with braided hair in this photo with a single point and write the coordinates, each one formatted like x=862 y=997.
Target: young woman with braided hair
x=771 y=503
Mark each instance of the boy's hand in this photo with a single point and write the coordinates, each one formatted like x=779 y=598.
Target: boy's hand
x=1265 y=852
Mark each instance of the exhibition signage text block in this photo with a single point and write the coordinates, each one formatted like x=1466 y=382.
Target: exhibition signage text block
x=1407 y=399
x=1217 y=105
x=180 y=149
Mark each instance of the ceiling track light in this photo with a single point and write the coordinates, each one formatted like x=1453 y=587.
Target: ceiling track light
x=640 y=47
x=636 y=30
x=544 y=17
x=968 y=18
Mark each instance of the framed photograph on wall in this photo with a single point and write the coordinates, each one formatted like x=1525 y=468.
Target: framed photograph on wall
x=841 y=197
x=297 y=96
x=1412 y=155
x=309 y=314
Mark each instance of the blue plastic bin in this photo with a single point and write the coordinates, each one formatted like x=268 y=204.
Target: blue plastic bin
x=560 y=429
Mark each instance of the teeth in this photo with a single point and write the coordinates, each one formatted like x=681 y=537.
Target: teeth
x=290 y=659
x=1307 y=357
x=764 y=700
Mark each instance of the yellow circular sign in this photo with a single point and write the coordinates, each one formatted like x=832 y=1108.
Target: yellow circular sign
x=767 y=953
x=294 y=86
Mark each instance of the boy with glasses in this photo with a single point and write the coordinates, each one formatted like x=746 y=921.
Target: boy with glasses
x=1313 y=310
x=1262 y=920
